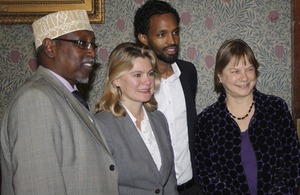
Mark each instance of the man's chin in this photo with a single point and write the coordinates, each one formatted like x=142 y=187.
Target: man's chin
x=83 y=80
x=168 y=59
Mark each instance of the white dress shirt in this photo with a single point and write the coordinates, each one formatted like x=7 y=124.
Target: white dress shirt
x=171 y=102
x=148 y=137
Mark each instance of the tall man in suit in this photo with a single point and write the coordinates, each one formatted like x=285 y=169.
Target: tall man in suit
x=156 y=24
x=50 y=143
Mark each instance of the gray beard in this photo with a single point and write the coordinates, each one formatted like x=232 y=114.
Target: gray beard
x=83 y=80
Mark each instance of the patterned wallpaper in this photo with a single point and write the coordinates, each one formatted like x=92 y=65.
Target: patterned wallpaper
x=205 y=24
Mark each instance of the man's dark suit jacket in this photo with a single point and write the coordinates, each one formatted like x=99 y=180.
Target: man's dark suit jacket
x=188 y=79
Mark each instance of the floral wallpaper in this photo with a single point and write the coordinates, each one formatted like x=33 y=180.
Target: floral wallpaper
x=205 y=24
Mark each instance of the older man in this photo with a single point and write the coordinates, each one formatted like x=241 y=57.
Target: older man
x=49 y=140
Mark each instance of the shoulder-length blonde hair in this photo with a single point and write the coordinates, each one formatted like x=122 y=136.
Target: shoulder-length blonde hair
x=121 y=62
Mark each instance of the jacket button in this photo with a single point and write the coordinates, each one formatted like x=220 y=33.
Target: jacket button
x=157 y=191
x=112 y=167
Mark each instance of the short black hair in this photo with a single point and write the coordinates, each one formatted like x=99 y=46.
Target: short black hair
x=144 y=14
x=39 y=52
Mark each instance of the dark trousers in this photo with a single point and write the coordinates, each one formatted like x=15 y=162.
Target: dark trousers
x=194 y=190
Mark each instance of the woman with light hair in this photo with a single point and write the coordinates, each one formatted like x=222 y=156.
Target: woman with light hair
x=136 y=132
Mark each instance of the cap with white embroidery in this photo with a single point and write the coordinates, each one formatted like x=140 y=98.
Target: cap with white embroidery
x=60 y=23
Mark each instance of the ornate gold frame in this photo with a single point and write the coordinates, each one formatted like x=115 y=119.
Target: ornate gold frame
x=27 y=11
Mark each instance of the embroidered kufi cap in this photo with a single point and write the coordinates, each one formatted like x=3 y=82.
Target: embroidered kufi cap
x=60 y=23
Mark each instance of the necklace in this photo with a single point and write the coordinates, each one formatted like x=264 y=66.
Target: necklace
x=245 y=115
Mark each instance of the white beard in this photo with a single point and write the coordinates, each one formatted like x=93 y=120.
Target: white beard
x=83 y=80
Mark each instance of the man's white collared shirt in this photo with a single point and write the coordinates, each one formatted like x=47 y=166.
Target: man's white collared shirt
x=171 y=102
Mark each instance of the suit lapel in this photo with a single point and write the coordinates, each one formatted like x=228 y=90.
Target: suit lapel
x=190 y=104
x=75 y=104
x=133 y=137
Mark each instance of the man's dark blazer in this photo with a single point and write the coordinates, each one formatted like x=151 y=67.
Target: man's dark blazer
x=188 y=80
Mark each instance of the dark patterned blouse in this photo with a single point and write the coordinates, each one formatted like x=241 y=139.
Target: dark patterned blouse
x=273 y=137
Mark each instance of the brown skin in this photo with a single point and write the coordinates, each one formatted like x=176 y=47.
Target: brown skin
x=163 y=38
x=67 y=59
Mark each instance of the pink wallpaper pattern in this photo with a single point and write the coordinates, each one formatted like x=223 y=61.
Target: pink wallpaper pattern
x=205 y=24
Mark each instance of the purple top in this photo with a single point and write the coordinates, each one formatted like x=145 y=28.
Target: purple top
x=249 y=162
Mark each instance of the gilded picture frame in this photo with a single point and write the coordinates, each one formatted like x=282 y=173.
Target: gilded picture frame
x=27 y=11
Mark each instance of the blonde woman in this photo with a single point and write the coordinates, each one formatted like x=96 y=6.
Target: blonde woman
x=136 y=132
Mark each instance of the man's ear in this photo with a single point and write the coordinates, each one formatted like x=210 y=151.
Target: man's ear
x=143 y=38
x=49 y=47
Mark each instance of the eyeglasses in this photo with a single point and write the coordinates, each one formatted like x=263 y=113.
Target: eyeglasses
x=81 y=44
